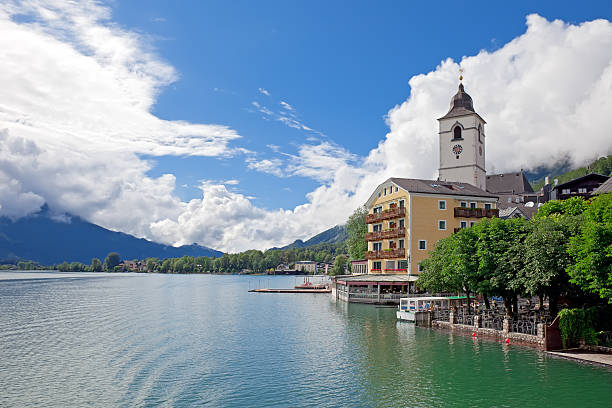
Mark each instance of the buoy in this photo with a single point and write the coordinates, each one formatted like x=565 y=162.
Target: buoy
x=507 y=341
x=474 y=334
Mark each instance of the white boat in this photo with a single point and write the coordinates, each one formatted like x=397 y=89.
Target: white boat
x=409 y=306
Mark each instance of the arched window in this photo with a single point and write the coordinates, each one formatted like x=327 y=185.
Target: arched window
x=457 y=132
x=480 y=133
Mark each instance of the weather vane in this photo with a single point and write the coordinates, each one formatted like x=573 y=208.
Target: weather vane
x=460 y=74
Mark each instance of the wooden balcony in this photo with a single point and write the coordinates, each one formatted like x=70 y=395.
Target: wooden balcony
x=475 y=212
x=380 y=235
x=389 y=214
x=386 y=254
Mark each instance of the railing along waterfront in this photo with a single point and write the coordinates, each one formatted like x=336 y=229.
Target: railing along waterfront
x=378 y=235
x=442 y=315
x=386 y=254
x=476 y=212
x=492 y=320
x=525 y=326
x=391 y=213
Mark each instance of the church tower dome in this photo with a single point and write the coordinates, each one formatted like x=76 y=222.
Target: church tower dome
x=462 y=142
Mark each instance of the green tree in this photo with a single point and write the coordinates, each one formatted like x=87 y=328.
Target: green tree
x=547 y=258
x=339 y=265
x=112 y=260
x=96 y=265
x=356 y=228
x=571 y=206
x=591 y=250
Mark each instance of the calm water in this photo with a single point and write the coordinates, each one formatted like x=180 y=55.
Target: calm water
x=154 y=340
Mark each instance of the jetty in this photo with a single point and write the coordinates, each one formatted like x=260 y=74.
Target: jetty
x=291 y=290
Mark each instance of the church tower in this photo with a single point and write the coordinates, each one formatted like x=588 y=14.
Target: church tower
x=462 y=142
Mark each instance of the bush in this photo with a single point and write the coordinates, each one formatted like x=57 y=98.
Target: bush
x=578 y=325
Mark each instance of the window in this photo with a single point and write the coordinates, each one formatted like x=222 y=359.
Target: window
x=396 y=189
x=391 y=244
x=565 y=191
x=401 y=223
x=385 y=191
x=377 y=210
x=401 y=244
x=472 y=205
x=422 y=244
x=442 y=225
x=457 y=132
x=472 y=223
x=376 y=265
x=463 y=204
x=420 y=268
x=487 y=206
x=463 y=224
x=442 y=204
x=379 y=194
x=517 y=200
x=390 y=265
x=377 y=246
x=401 y=203
x=509 y=199
x=377 y=227
x=403 y=264
x=582 y=190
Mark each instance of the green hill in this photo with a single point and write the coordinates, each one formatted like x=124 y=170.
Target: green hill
x=602 y=165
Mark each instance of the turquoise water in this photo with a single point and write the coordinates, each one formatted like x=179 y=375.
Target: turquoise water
x=186 y=340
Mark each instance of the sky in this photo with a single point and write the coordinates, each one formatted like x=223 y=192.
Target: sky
x=240 y=125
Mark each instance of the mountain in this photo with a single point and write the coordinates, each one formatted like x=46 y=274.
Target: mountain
x=563 y=172
x=333 y=235
x=50 y=239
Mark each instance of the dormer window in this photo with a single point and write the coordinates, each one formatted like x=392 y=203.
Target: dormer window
x=457 y=132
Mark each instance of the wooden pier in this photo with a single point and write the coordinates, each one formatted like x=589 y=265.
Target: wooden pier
x=291 y=290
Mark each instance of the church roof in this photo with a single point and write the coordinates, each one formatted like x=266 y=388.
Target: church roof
x=460 y=105
x=512 y=183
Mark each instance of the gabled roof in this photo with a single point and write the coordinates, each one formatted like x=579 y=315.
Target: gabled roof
x=434 y=187
x=594 y=176
x=512 y=183
x=605 y=187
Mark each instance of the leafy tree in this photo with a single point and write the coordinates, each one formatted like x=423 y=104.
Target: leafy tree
x=112 y=260
x=96 y=265
x=339 y=265
x=356 y=228
x=571 y=206
x=501 y=258
x=592 y=249
x=546 y=257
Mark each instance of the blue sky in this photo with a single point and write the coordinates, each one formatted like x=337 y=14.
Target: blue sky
x=247 y=124
x=341 y=65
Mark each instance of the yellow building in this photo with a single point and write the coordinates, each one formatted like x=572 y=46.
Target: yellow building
x=406 y=217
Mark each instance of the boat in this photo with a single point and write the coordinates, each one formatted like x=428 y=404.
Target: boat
x=408 y=307
x=309 y=285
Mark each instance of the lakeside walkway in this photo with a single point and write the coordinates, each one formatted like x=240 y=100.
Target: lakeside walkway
x=585 y=357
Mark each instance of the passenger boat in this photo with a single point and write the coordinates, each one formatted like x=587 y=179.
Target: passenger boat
x=408 y=307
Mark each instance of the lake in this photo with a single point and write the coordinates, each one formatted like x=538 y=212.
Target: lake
x=200 y=340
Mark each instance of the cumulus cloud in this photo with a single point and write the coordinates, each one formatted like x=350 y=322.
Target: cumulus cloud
x=76 y=113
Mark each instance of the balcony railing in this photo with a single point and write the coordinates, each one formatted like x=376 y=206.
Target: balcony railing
x=389 y=214
x=378 y=235
x=386 y=254
x=476 y=212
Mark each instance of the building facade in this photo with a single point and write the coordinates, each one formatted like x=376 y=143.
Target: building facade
x=406 y=217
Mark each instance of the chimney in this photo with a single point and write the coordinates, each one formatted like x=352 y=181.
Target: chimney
x=556 y=181
x=546 y=181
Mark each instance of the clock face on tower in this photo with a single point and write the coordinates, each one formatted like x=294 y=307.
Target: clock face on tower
x=457 y=149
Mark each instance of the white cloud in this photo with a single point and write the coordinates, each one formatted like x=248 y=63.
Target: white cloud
x=286 y=106
x=78 y=91
x=264 y=91
x=272 y=166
